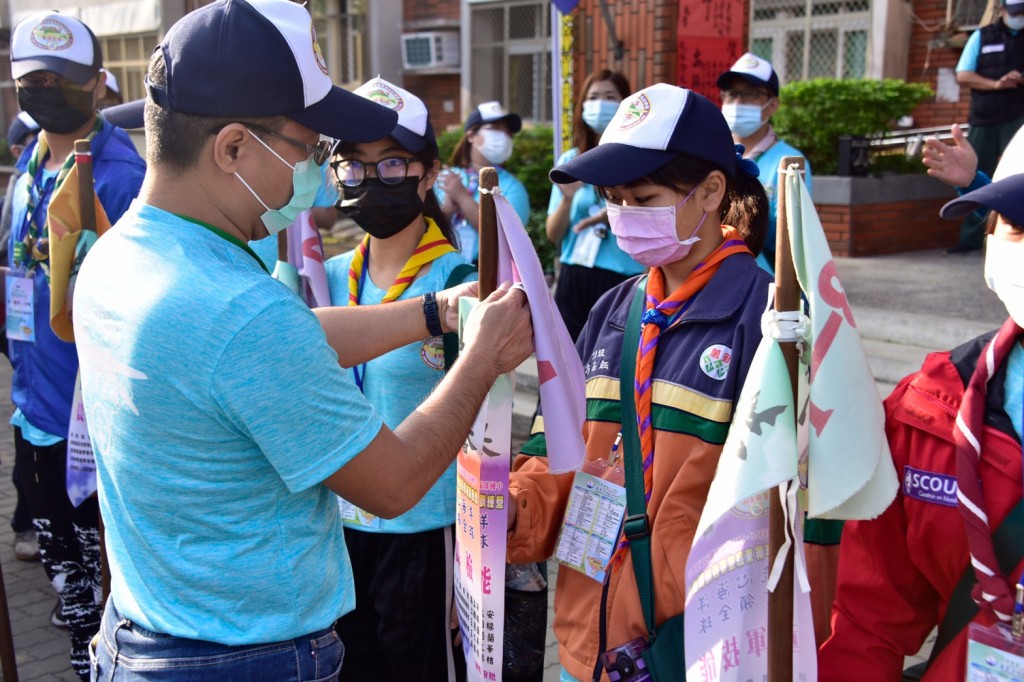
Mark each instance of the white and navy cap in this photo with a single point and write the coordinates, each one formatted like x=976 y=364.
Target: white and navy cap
x=413 y=131
x=1014 y=7
x=756 y=71
x=51 y=41
x=490 y=112
x=22 y=125
x=1005 y=197
x=255 y=58
x=112 y=82
x=649 y=129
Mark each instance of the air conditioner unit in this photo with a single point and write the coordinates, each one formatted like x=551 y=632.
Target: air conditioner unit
x=433 y=50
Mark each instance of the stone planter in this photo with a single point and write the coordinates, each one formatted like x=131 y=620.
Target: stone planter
x=868 y=216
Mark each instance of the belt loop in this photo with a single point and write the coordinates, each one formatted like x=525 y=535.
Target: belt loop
x=123 y=623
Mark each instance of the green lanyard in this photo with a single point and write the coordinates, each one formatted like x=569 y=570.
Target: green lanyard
x=227 y=237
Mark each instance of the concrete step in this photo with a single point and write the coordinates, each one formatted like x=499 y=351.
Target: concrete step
x=915 y=330
x=890 y=362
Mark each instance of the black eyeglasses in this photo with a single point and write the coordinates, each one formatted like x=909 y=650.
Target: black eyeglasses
x=321 y=151
x=390 y=171
x=745 y=96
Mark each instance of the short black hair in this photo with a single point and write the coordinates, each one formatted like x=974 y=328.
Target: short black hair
x=174 y=139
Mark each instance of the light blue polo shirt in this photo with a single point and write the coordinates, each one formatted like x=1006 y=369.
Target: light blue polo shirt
x=396 y=383
x=216 y=408
x=609 y=256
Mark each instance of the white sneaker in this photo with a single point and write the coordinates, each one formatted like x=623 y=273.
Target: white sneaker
x=26 y=546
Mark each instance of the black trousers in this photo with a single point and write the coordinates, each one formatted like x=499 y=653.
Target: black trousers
x=400 y=628
x=69 y=541
x=577 y=291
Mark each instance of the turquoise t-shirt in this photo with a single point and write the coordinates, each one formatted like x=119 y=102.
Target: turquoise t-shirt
x=397 y=382
x=511 y=188
x=586 y=199
x=326 y=196
x=216 y=408
x=768 y=163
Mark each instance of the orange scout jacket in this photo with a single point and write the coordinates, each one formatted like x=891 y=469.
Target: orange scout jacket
x=700 y=366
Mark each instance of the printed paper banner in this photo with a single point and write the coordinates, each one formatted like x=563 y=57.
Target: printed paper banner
x=481 y=521
x=81 y=467
x=850 y=471
x=559 y=368
x=728 y=570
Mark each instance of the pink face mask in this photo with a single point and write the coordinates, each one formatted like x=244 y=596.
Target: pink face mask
x=648 y=233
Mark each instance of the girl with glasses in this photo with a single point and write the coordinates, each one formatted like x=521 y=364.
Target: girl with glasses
x=401 y=567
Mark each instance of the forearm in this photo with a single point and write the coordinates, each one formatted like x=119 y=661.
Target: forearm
x=359 y=333
x=558 y=223
x=471 y=210
x=406 y=462
x=976 y=81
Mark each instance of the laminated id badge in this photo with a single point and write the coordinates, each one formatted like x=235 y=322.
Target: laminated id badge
x=994 y=654
x=593 y=519
x=21 y=305
x=354 y=517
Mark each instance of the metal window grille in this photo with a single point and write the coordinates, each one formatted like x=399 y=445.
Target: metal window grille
x=970 y=13
x=511 y=56
x=812 y=38
x=127 y=57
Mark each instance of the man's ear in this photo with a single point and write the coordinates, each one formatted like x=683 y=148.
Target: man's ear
x=773 y=106
x=230 y=145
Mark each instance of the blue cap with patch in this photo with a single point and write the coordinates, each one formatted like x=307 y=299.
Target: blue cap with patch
x=649 y=129
x=1005 y=197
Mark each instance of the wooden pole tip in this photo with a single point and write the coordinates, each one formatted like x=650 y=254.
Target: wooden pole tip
x=489 y=177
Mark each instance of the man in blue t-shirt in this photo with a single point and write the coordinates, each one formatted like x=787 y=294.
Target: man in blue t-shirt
x=223 y=421
x=55 y=61
x=991 y=66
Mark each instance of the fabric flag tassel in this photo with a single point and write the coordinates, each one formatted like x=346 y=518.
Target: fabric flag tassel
x=559 y=368
x=850 y=473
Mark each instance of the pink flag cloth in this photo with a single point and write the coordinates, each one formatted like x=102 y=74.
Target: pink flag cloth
x=559 y=368
x=306 y=253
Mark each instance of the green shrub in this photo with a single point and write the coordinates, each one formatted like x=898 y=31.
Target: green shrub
x=813 y=114
x=532 y=158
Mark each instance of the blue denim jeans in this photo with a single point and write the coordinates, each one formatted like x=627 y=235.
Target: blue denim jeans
x=123 y=651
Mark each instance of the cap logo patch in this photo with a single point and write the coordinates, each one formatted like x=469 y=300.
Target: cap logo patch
x=52 y=34
x=748 y=62
x=636 y=111
x=385 y=96
x=317 y=54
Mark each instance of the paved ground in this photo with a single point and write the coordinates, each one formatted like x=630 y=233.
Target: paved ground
x=946 y=289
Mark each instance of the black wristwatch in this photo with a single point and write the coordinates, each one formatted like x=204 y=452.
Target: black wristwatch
x=430 y=312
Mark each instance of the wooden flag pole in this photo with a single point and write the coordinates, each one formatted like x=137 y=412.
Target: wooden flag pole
x=780 y=602
x=488 y=264
x=282 y=246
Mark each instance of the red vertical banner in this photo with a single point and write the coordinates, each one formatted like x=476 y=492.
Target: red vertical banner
x=711 y=36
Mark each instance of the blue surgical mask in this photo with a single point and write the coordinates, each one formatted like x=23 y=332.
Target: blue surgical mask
x=597 y=113
x=1014 y=23
x=306 y=180
x=744 y=119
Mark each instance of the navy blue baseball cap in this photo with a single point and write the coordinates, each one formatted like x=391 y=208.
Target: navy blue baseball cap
x=754 y=70
x=413 y=130
x=491 y=112
x=255 y=58
x=650 y=128
x=1005 y=197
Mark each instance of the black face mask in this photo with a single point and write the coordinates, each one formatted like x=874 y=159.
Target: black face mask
x=380 y=209
x=56 y=110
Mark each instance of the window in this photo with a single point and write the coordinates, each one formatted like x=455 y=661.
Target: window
x=127 y=57
x=510 y=44
x=340 y=30
x=971 y=13
x=806 y=39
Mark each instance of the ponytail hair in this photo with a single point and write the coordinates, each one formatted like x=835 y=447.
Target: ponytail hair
x=745 y=205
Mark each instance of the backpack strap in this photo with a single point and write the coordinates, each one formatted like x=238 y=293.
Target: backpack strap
x=451 y=340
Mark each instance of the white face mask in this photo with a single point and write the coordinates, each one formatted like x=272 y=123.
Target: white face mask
x=1014 y=23
x=496 y=146
x=1004 y=274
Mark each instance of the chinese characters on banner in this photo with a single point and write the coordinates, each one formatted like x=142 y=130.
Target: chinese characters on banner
x=481 y=521
x=80 y=478
x=710 y=38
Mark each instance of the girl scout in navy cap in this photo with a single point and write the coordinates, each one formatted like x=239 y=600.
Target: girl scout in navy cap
x=683 y=202
x=402 y=566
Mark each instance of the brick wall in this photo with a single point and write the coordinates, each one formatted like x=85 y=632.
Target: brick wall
x=872 y=229
x=923 y=65
x=426 y=11
x=440 y=92
x=647 y=31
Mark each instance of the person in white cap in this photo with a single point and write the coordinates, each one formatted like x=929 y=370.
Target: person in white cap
x=224 y=422
x=683 y=202
x=402 y=567
x=55 y=62
x=113 y=96
x=486 y=142
x=991 y=65
x=750 y=97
